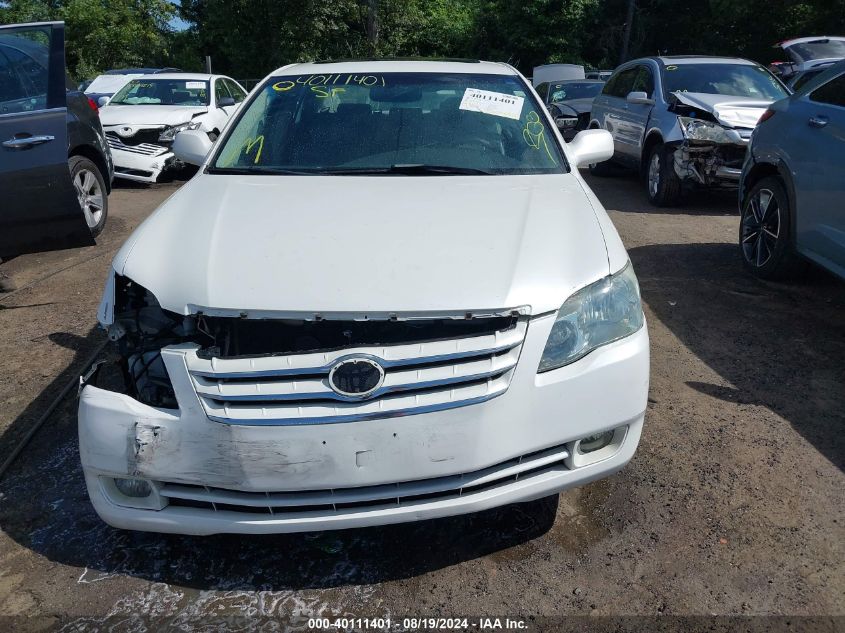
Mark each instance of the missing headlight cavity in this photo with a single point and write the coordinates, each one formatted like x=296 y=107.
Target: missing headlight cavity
x=141 y=328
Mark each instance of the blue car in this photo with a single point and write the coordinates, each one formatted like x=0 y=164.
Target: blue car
x=792 y=189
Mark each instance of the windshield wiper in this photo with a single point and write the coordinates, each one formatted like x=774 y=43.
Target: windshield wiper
x=259 y=171
x=409 y=169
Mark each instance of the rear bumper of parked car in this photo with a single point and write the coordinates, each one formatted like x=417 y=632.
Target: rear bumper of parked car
x=209 y=477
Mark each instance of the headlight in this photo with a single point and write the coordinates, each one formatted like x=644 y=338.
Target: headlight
x=169 y=133
x=698 y=130
x=601 y=313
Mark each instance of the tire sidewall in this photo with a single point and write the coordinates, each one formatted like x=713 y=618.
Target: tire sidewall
x=660 y=197
x=783 y=247
x=77 y=164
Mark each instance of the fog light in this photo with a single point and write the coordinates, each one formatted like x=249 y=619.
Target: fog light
x=136 y=488
x=595 y=442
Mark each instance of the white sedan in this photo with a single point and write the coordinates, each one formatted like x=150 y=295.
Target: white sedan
x=388 y=295
x=142 y=118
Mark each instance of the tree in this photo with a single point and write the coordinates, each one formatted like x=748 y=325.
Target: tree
x=102 y=34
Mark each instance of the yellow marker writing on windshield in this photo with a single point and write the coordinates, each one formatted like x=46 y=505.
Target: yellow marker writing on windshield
x=252 y=142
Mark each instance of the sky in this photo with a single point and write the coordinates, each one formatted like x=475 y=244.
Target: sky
x=177 y=23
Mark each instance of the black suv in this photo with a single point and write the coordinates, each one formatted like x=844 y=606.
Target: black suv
x=55 y=165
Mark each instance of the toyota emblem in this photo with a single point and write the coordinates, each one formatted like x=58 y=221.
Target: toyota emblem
x=356 y=377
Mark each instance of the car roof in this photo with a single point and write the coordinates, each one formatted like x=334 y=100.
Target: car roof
x=398 y=66
x=679 y=60
x=138 y=71
x=184 y=76
x=803 y=40
x=578 y=81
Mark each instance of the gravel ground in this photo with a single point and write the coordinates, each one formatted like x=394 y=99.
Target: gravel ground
x=733 y=505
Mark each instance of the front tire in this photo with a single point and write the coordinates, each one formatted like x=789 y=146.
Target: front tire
x=90 y=187
x=662 y=183
x=765 y=232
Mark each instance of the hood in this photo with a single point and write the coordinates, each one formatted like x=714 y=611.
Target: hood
x=728 y=110
x=148 y=115
x=579 y=105
x=367 y=245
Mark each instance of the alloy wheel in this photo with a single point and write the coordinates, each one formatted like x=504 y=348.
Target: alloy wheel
x=760 y=228
x=90 y=196
x=654 y=174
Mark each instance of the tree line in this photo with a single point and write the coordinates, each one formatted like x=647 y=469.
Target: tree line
x=248 y=38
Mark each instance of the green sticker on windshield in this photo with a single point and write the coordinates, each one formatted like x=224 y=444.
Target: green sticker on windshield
x=671 y=68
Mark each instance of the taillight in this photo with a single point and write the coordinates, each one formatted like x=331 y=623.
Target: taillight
x=768 y=114
x=93 y=105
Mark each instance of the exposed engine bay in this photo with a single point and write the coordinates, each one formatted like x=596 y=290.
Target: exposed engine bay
x=141 y=328
x=710 y=154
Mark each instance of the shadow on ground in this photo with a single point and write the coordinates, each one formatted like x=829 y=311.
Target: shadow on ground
x=778 y=345
x=629 y=196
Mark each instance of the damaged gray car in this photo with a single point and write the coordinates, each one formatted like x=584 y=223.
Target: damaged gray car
x=683 y=122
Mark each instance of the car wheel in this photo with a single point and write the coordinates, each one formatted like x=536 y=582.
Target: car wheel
x=662 y=183
x=765 y=232
x=90 y=191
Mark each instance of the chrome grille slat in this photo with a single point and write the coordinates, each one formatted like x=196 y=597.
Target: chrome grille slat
x=389 y=356
x=146 y=149
x=318 y=387
x=419 y=378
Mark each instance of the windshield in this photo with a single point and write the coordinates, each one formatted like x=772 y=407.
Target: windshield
x=108 y=83
x=348 y=123
x=170 y=92
x=817 y=49
x=736 y=80
x=575 y=90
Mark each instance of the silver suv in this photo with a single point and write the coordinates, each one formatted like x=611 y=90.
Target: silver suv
x=683 y=121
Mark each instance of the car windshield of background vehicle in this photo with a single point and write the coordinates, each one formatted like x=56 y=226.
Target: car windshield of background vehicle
x=565 y=92
x=169 y=92
x=392 y=123
x=817 y=49
x=736 y=80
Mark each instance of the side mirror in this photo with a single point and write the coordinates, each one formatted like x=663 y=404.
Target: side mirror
x=192 y=146
x=639 y=97
x=102 y=101
x=591 y=146
x=225 y=102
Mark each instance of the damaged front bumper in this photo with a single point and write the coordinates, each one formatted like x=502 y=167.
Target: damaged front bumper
x=142 y=162
x=709 y=165
x=206 y=476
x=712 y=158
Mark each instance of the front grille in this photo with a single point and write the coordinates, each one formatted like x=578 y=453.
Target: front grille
x=420 y=377
x=146 y=149
x=340 y=500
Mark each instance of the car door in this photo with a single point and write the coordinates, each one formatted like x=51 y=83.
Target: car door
x=817 y=154
x=221 y=90
x=236 y=90
x=632 y=126
x=40 y=210
x=616 y=112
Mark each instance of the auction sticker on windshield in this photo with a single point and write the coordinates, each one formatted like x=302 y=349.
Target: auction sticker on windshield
x=495 y=103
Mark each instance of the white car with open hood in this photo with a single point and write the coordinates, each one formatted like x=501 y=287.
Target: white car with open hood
x=142 y=118
x=388 y=295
